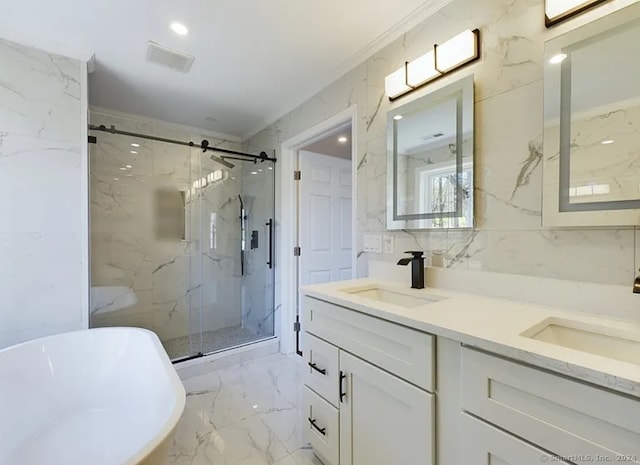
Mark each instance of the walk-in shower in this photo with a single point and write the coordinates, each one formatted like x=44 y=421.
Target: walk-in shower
x=181 y=235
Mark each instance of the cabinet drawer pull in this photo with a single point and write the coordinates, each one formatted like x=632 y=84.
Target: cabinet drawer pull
x=319 y=370
x=322 y=431
x=342 y=394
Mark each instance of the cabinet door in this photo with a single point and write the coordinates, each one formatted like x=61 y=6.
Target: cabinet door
x=322 y=367
x=383 y=419
x=321 y=427
x=486 y=445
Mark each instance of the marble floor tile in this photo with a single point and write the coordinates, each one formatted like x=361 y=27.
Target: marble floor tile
x=304 y=456
x=244 y=414
x=288 y=460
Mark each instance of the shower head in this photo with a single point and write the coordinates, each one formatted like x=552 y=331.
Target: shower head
x=222 y=162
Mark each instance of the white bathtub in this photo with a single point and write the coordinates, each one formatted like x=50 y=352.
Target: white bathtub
x=105 y=396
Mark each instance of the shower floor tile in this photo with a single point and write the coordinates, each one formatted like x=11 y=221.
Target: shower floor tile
x=212 y=341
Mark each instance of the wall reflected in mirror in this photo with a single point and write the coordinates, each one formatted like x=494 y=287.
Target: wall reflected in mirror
x=430 y=160
x=592 y=120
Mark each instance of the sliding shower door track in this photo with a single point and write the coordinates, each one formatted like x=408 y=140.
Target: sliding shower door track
x=176 y=361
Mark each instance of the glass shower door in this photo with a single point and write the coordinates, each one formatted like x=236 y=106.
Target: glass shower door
x=181 y=242
x=237 y=290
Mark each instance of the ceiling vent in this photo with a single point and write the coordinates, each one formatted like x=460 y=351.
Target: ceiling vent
x=168 y=58
x=433 y=136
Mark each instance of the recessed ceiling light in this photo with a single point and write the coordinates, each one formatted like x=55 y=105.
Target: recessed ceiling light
x=254 y=172
x=123 y=169
x=129 y=166
x=135 y=145
x=116 y=179
x=342 y=139
x=559 y=58
x=607 y=142
x=398 y=117
x=134 y=152
x=271 y=167
x=179 y=29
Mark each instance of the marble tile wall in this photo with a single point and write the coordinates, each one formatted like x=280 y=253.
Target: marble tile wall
x=42 y=232
x=508 y=236
x=182 y=286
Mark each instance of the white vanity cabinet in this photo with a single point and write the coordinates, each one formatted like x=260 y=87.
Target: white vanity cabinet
x=574 y=420
x=383 y=419
x=376 y=406
x=373 y=396
x=483 y=444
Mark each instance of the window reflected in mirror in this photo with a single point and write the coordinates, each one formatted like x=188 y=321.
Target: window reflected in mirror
x=431 y=160
x=592 y=118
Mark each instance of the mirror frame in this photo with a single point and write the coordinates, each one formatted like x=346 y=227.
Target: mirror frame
x=463 y=91
x=557 y=211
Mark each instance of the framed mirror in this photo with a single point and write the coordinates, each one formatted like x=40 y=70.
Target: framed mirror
x=592 y=124
x=430 y=160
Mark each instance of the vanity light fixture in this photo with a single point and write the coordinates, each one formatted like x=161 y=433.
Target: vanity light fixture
x=557 y=11
x=443 y=59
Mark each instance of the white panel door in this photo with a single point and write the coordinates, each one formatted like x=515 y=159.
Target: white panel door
x=325 y=225
x=383 y=419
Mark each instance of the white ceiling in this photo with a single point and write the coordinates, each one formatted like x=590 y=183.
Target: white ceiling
x=330 y=145
x=255 y=59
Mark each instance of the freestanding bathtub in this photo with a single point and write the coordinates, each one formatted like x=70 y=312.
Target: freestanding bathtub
x=106 y=396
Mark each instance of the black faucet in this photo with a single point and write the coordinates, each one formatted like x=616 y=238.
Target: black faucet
x=417 y=268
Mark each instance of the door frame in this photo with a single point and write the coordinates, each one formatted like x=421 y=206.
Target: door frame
x=286 y=195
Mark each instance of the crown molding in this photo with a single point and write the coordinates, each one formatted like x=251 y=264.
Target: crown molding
x=413 y=19
x=191 y=130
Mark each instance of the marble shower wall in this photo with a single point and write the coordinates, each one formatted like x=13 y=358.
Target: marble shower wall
x=508 y=236
x=182 y=286
x=43 y=279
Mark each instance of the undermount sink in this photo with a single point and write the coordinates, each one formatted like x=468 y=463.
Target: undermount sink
x=393 y=296
x=598 y=340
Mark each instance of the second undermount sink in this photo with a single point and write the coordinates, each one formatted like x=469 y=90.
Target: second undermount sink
x=598 y=340
x=409 y=299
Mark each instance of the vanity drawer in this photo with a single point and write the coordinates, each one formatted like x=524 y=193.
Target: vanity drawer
x=324 y=432
x=323 y=368
x=567 y=417
x=403 y=351
x=487 y=445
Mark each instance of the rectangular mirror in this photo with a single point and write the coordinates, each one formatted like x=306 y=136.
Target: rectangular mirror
x=430 y=160
x=592 y=124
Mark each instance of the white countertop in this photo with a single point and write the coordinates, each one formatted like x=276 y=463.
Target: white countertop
x=494 y=325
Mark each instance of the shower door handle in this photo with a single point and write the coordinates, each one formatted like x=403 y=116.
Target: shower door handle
x=270 y=224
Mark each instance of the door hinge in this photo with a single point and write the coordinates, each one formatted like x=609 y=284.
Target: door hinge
x=297 y=175
x=296 y=326
x=296 y=251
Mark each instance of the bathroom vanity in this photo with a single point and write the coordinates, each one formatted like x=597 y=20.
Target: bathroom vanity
x=403 y=376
